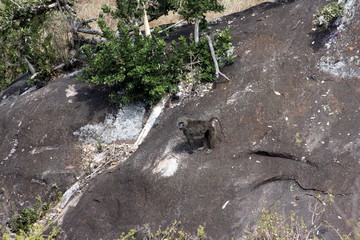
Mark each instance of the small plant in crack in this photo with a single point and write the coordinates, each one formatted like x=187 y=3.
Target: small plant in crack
x=99 y=146
x=325 y=17
x=298 y=139
x=23 y=222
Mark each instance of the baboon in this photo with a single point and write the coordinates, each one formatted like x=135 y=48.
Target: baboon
x=192 y=128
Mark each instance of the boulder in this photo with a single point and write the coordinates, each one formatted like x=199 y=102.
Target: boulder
x=38 y=147
x=290 y=134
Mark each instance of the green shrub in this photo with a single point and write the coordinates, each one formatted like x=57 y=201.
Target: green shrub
x=134 y=66
x=172 y=232
x=28 y=36
x=200 y=55
x=272 y=225
x=36 y=232
x=23 y=221
x=324 y=18
x=145 y=68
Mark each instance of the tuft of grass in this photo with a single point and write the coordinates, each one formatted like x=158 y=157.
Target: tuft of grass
x=172 y=232
x=325 y=17
x=272 y=225
x=23 y=222
x=36 y=232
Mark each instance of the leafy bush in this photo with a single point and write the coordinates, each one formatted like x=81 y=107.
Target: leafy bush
x=324 y=18
x=170 y=233
x=134 y=66
x=23 y=222
x=29 y=36
x=35 y=233
x=200 y=55
x=145 y=68
x=272 y=225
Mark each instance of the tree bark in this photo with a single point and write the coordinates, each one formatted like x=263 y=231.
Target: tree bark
x=196 y=30
x=89 y=31
x=146 y=24
x=217 y=70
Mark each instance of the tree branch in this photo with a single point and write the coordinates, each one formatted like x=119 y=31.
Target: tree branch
x=88 y=20
x=30 y=66
x=89 y=31
x=217 y=70
x=32 y=10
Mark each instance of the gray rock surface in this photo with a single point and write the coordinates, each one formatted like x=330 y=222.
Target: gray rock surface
x=38 y=148
x=290 y=132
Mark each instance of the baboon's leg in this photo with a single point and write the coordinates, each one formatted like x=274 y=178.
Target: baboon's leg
x=212 y=138
x=206 y=142
x=190 y=139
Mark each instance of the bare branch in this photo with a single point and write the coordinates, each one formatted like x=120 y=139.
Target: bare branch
x=92 y=40
x=89 y=31
x=34 y=10
x=88 y=20
x=16 y=4
x=217 y=70
x=30 y=66
x=173 y=25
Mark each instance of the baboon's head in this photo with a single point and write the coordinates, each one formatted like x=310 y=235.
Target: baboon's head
x=182 y=123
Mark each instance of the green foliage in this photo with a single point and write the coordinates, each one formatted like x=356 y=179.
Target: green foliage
x=162 y=7
x=131 y=11
x=140 y=68
x=272 y=225
x=170 y=233
x=56 y=194
x=194 y=11
x=324 y=17
x=23 y=222
x=26 y=34
x=36 y=232
x=199 y=54
x=191 y=9
x=127 y=10
x=145 y=68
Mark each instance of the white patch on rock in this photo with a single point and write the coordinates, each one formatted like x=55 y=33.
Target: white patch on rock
x=71 y=91
x=338 y=148
x=348 y=13
x=69 y=193
x=235 y=97
x=167 y=167
x=125 y=125
x=225 y=204
x=315 y=139
x=168 y=163
x=338 y=68
x=15 y=145
x=13 y=150
x=341 y=66
x=38 y=150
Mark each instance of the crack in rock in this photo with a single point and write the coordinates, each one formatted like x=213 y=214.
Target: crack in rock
x=260 y=183
x=287 y=156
